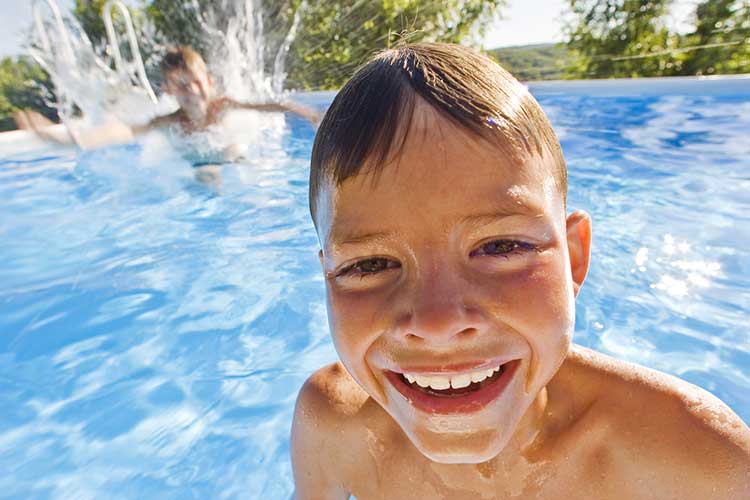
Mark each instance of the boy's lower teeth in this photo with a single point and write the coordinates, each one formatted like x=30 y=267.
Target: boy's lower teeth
x=451 y=392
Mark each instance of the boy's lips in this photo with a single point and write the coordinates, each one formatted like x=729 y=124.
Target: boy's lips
x=449 y=400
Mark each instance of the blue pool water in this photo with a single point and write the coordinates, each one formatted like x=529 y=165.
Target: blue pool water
x=154 y=330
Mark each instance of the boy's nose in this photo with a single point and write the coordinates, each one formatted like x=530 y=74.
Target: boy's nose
x=439 y=313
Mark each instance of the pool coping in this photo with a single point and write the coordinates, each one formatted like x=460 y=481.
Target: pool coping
x=24 y=141
x=636 y=87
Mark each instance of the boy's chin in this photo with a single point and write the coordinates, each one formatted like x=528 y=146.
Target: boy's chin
x=471 y=448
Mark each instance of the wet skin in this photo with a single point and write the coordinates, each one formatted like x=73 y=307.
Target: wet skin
x=194 y=92
x=471 y=268
x=455 y=257
x=200 y=107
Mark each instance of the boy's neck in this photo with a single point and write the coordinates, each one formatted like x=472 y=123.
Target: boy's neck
x=530 y=429
x=196 y=116
x=529 y=436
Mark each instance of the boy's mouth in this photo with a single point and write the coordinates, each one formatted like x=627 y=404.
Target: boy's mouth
x=455 y=392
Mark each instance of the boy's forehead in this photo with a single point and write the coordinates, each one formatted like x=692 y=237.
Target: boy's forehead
x=442 y=175
x=343 y=220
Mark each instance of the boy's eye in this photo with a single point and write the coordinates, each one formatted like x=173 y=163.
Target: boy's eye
x=373 y=265
x=502 y=247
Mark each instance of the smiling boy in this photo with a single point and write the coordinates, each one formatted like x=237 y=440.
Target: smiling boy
x=437 y=189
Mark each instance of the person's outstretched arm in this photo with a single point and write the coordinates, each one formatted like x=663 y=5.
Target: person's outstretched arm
x=157 y=122
x=277 y=107
x=42 y=127
x=108 y=134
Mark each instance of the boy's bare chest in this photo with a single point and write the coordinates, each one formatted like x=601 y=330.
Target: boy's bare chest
x=422 y=480
x=400 y=472
x=402 y=481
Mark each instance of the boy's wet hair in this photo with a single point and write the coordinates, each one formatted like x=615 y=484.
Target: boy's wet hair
x=182 y=58
x=370 y=117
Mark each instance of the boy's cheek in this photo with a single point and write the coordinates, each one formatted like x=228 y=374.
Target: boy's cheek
x=538 y=305
x=538 y=294
x=357 y=321
x=356 y=310
x=355 y=326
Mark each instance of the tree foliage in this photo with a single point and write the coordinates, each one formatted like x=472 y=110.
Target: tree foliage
x=338 y=35
x=88 y=13
x=629 y=38
x=177 y=22
x=534 y=62
x=23 y=85
x=720 y=42
x=334 y=36
x=621 y=38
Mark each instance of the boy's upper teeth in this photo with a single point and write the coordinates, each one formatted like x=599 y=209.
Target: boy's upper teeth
x=442 y=382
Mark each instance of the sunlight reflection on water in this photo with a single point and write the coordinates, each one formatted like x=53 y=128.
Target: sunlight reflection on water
x=156 y=330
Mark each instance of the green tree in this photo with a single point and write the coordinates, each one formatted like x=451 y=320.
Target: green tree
x=340 y=35
x=23 y=85
x=720 y=42
x=534 y=62
x=334 y=36
x=621 y=38
x=177 y=22
x=89 y=15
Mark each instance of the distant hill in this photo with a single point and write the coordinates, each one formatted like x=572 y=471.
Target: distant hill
x=534 y=62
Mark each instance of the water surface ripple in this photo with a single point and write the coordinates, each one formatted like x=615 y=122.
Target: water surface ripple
x=154 y=331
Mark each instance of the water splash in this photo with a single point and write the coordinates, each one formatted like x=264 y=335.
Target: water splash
x=87 y=87
x=92 y=88
x=245 y=49
x=241 y=55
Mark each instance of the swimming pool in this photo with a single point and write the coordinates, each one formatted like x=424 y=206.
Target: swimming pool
x=156 y=329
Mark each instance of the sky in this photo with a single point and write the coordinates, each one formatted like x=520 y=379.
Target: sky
x=16 y=22
x=523 y=22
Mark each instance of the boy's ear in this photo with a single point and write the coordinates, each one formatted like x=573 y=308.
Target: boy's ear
x=320 y=258
x=579 y=246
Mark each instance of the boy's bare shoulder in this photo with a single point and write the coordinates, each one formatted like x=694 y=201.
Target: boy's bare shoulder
x=622 y=386
x=333 y=393
x=661 y=427
x=329 y=417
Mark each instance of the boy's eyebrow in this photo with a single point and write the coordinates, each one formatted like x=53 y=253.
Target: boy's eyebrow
x=518 y=207
x=514 y=201
x=338 y=239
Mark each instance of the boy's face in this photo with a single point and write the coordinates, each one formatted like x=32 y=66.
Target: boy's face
x=453 y=262
x=193 y=89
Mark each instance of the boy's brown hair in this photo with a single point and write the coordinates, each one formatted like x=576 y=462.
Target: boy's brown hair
x=182 y=58
x=369 y=119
